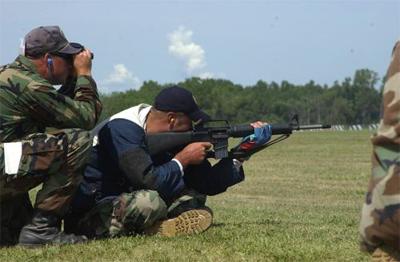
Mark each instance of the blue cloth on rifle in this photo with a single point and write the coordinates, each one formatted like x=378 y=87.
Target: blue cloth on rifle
x=261 y=136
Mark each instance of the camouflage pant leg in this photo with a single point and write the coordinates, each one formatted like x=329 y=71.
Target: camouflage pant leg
x=127 y=214
x=132 y=213
x=13 y=216
x=190 y=199
x=380 y=217
x=58 y=189
x=56 y=160
x=380 y=220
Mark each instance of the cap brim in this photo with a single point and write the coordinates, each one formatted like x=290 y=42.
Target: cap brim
x=71 y=49
x=199 y=115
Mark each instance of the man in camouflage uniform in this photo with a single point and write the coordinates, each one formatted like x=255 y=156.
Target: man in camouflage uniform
x=30 y=154
x=380 y=220
x=126 y=190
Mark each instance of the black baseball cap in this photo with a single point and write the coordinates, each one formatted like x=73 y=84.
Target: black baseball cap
x=49 y=39
x=178 y=99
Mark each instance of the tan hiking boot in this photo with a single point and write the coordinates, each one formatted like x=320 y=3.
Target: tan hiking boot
x=385 y=255
x=193 y=221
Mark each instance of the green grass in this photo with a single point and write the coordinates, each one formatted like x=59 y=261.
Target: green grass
x=300 y=201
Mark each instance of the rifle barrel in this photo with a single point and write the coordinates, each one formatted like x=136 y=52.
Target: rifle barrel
x=277 y=129
x=306 y=127
x=281 y=129
x=241 y=130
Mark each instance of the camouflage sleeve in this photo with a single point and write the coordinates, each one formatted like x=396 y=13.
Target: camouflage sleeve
x=54 y=109
x=390 y=124
x=389 y=127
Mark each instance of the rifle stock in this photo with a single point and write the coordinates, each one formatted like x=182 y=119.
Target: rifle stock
x=167 y=141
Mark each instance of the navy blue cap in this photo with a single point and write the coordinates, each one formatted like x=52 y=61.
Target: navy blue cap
x=178 y=99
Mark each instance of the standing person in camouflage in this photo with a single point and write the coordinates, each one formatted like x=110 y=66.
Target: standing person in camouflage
x=30 y=154
x=127 y=191
x=380 y=220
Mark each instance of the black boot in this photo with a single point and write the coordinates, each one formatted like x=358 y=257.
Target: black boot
x=45 y=229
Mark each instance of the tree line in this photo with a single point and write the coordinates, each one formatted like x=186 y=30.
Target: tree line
x=353 y=101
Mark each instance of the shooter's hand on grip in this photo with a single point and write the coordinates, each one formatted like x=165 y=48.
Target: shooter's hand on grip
x=193 y=154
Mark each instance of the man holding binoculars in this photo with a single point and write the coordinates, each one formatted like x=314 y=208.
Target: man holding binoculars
x=43 y=135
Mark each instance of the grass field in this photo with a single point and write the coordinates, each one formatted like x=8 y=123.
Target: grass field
x=300 y=201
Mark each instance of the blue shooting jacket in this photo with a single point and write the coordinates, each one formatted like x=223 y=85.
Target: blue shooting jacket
x=120 y=162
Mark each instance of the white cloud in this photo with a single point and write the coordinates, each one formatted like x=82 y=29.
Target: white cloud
x=182 y=46
x=121 y=79
x=120 y=75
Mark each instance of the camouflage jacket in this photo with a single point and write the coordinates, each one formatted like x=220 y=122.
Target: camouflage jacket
x=30 y=104
x=389 y=128
x=387 y=139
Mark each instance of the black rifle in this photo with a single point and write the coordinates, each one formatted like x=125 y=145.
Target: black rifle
x=217 y=132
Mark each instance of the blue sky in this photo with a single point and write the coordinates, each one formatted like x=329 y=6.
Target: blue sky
x=243 y=41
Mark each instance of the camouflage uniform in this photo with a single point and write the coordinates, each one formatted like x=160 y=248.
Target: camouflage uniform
x=380 y=221
x=28 y=105
x=132 y=213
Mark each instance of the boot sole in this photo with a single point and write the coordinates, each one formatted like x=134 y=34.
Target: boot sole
x=54 y=242
x=33 y=246
x=381 y=255
x=189 y=222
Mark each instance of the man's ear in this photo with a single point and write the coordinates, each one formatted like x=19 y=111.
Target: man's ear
x=171 y=116
x=46 y=57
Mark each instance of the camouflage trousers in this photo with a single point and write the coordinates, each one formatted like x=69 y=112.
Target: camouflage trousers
x=131 y=213
x=54 y=160
x=380 y=217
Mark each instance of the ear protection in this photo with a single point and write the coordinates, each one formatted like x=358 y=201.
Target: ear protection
x=50 y=66
x=49 y=61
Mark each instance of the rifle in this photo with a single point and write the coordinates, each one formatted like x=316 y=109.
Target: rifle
x=217 y=132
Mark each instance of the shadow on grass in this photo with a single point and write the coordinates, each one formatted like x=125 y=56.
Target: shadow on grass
x=263 y=222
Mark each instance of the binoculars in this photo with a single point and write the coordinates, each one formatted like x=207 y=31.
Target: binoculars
x=81 y=47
